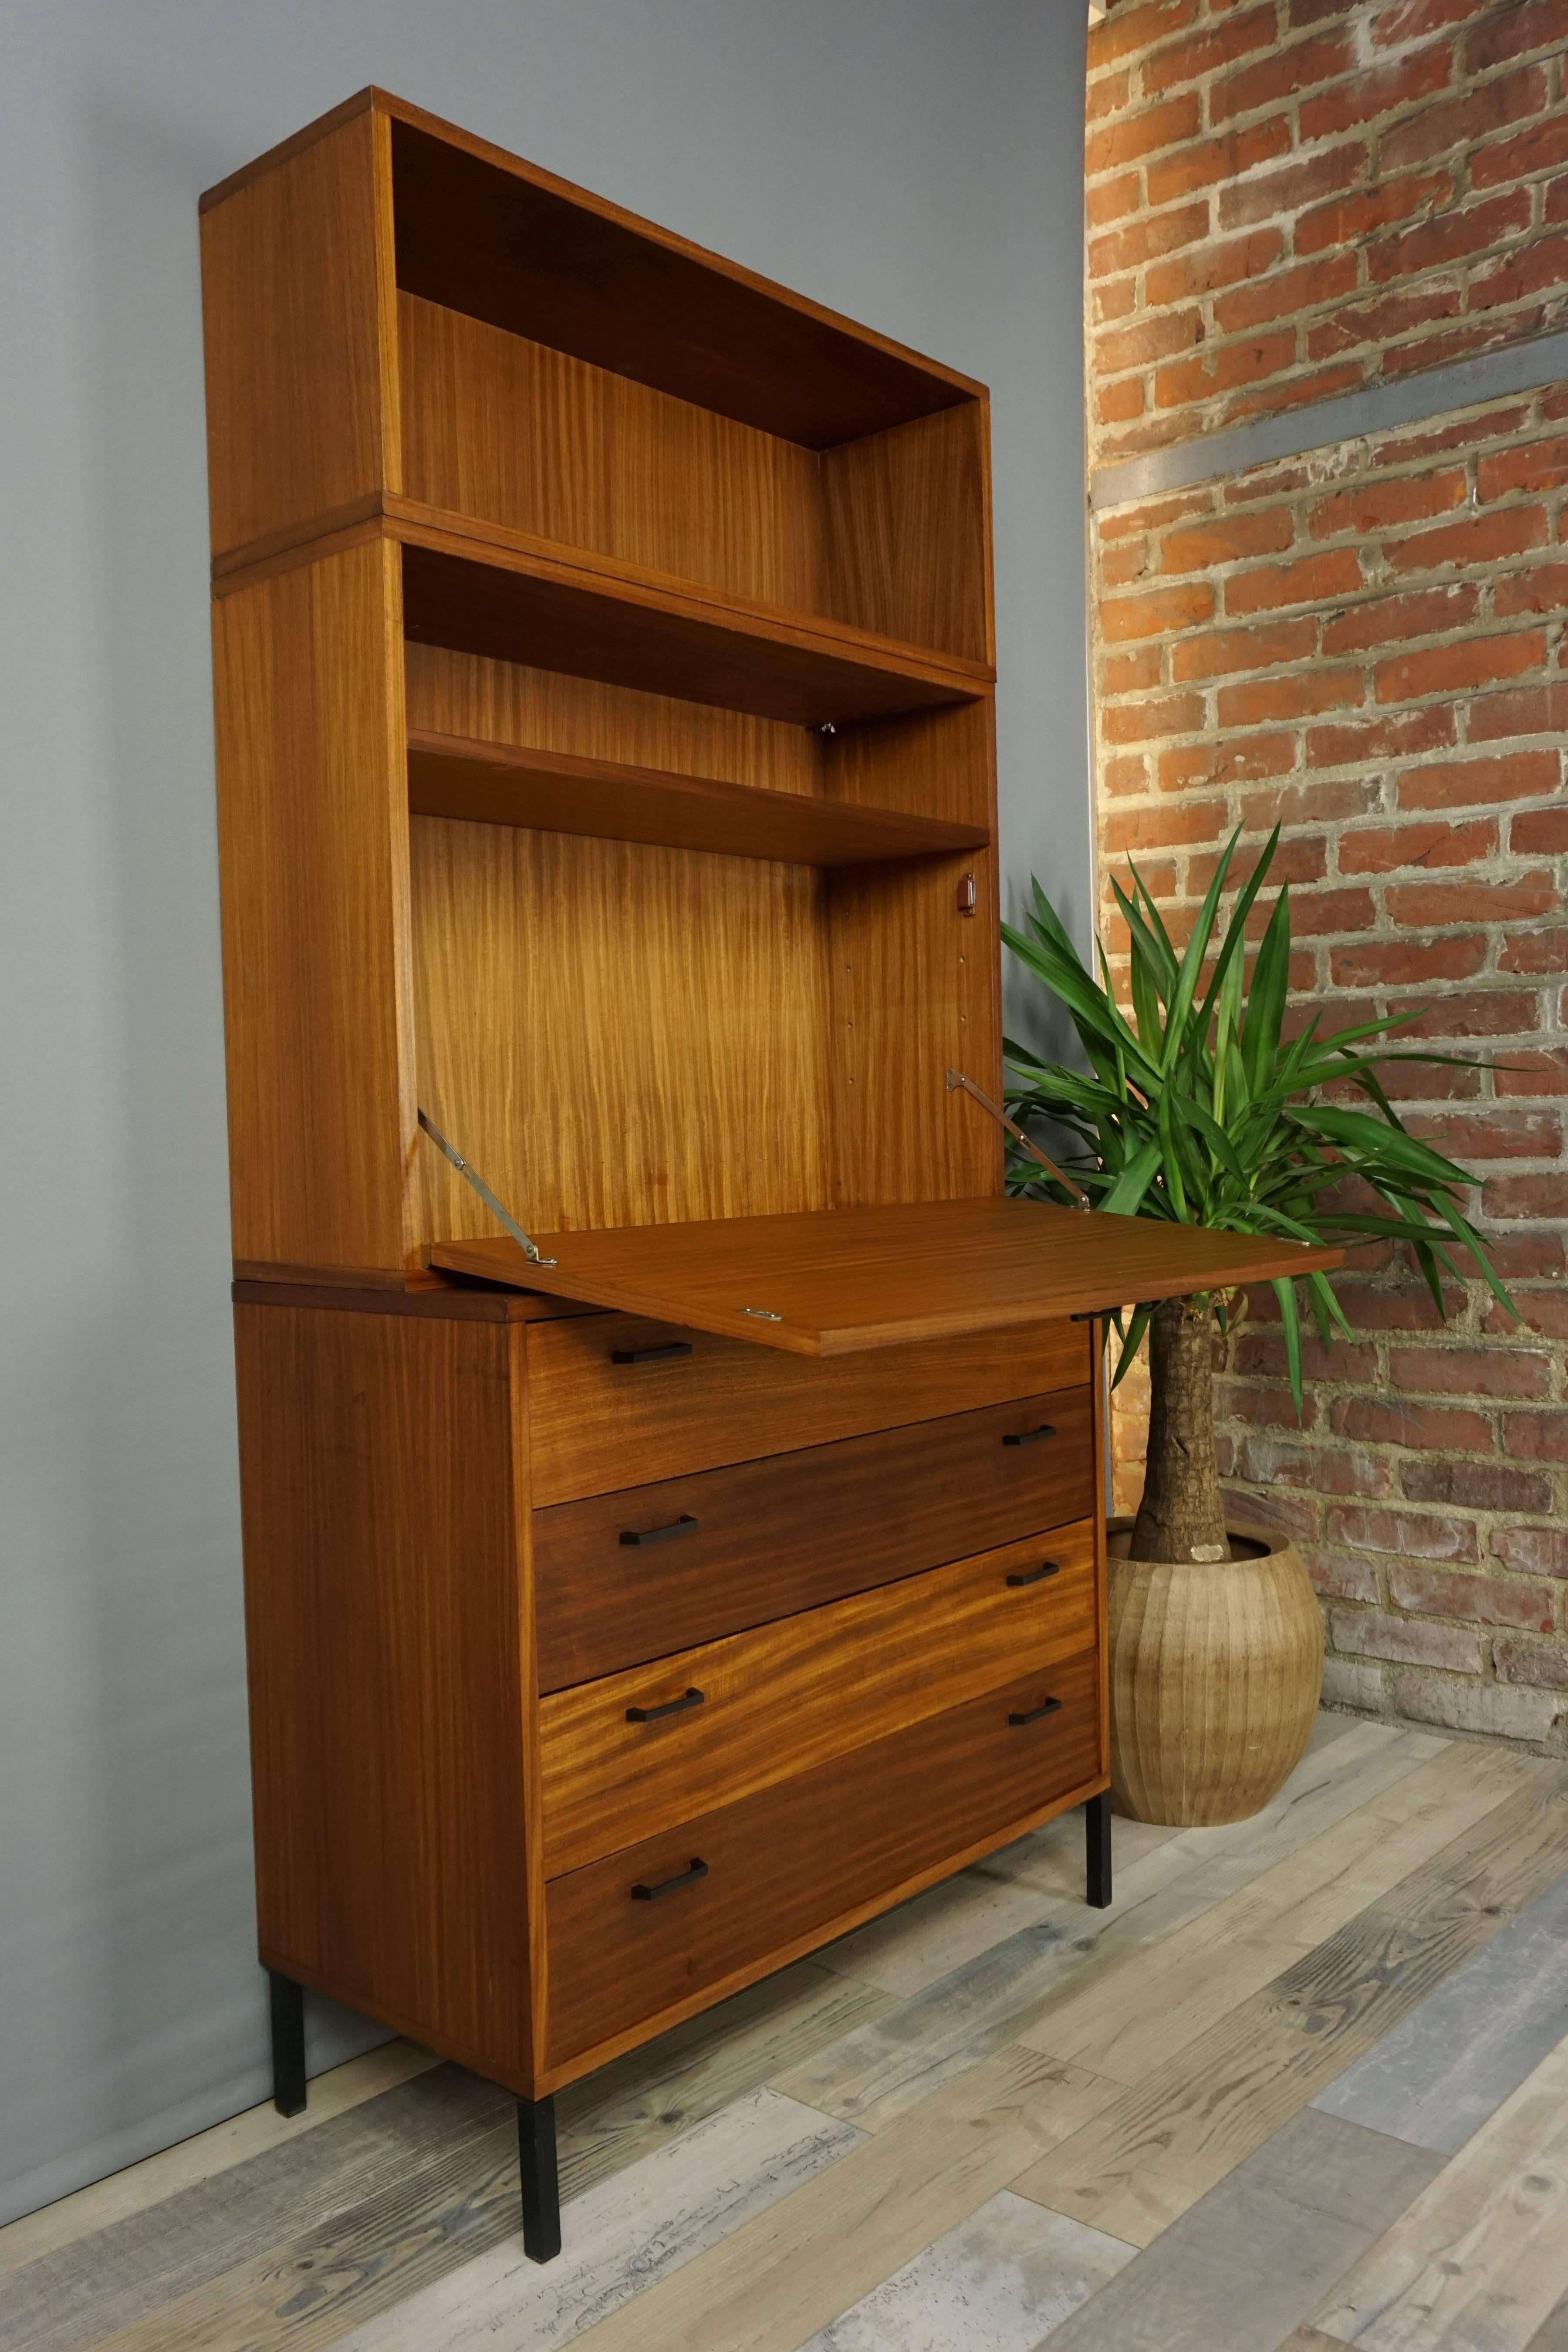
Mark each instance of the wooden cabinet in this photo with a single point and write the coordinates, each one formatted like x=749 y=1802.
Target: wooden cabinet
x=603 y=660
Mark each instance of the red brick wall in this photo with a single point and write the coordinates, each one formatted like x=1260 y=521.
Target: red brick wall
x=1294 y=198
x=1367 y=644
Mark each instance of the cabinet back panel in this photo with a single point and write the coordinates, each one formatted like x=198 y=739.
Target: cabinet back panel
x=502 y=702
x=513 y=432
x=614 y=1035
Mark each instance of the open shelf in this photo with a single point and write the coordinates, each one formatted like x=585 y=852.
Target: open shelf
x=886 y=535
x=832 y=1281
x=479 y=231
x=484 y=590
x=607 y=800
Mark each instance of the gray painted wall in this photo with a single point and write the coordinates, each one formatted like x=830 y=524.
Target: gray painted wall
x=915 y=163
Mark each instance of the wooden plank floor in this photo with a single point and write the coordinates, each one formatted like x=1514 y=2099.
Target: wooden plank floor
x=1304 y=2084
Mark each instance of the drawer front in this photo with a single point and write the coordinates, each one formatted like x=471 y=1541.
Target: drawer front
x=596 y=1424
x=803 y=1853
x=638 y=1751
x=729 y=1549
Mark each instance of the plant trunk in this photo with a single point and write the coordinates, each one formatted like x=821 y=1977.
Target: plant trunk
x=1182 y=1515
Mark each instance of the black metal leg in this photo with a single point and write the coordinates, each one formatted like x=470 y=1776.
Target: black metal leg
x=1097 y=1826
x=288 y=2044
x=540 y=2185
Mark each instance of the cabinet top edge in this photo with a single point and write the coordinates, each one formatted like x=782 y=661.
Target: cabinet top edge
x=364 y=101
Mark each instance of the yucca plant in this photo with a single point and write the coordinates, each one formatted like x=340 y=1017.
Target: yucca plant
x=1200 y=1110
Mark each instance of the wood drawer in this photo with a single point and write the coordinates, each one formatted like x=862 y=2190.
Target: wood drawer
x=806 y=1851
x=729 y=1549
x=784 y=1697
x=596 y=1424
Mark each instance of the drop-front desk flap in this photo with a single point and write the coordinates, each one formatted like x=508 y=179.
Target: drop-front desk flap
x=833 y=1281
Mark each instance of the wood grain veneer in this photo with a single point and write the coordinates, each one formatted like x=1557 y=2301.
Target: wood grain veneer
x=798 y=1856
x=512 y=706
x=614 y=1033
x=452 y=1301
x=781 y=1698
x=885 y=533
x=767 y=1540
x=596 y=1424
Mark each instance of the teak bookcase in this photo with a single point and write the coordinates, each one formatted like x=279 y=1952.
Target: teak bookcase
x=602 y=654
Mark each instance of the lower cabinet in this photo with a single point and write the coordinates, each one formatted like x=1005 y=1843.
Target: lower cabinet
x=598 y=1668
x=662 y=1921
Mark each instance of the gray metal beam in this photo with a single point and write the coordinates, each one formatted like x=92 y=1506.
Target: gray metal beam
x=1408 y=400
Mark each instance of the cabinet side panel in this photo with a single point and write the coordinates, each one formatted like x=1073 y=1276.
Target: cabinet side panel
x=297 y=280
x=908 y=542
x=313 y=851
x=914 y=982
x=388 y=1653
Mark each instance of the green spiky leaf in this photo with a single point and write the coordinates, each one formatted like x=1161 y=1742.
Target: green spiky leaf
x=1199 y=1109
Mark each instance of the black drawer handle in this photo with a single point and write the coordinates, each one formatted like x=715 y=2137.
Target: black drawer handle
x=1051 y=1706
x=668 y=1885
x=670 y=1707
x=650 y=1355
x=684 y=1525
x=1028 y=1575
x=1031 y=1436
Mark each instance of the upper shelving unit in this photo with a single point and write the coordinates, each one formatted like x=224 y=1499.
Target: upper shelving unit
x=585 y=549
x=501 y=359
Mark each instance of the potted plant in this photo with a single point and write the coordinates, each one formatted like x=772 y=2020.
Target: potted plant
x=1199 y=1109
